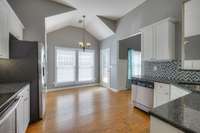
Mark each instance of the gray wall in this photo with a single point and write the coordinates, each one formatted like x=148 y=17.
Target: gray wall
x=32 y=13
x=111 y=43
x=68 y=37
x=131 y=42
x=148 y=13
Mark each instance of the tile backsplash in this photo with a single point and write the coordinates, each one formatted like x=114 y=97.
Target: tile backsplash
x=170 y=70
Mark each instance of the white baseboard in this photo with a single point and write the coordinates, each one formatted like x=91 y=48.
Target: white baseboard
x=114 y=90
x=72 y=87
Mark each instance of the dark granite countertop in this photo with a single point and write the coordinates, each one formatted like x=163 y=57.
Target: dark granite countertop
x=182 y=113
x=8 y=91
x=192 y=86
x=162 y=80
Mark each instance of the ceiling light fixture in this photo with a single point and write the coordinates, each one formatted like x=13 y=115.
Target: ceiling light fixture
x=84 y=44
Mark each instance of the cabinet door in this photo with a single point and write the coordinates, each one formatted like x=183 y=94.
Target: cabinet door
x=165 y=40
x=4 y=34
x=148 y=43
x=20 y=116
x=15 y=25
x=161 y=94
x=191 y=18
x=133 y=93
x=8 y=126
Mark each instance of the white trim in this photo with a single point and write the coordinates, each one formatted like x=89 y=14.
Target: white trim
x=114 y=90
x=72 y=87
x=129 y=36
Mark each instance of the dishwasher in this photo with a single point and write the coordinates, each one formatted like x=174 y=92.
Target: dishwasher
x=142 y=95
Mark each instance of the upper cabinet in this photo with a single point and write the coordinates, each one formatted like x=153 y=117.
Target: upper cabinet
x=9 y=23
x=191 y=35
x=158 y=41
x=4 y=33
x=191 y=18
x=15 y=25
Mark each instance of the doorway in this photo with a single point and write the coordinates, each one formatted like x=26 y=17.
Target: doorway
x=105 y=67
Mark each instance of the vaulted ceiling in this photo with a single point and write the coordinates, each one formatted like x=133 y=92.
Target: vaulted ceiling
x=98 y=13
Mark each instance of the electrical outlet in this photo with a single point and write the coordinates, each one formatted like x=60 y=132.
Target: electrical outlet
x=155 y=68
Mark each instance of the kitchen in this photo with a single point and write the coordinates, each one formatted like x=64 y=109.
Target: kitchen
x=155 y=54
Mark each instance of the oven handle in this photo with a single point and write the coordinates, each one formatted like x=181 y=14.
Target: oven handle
x=9 y=111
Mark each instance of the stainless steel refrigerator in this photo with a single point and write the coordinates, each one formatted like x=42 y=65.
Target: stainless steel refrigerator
x=27 y=63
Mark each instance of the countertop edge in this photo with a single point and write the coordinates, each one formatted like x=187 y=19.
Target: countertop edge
x=182 y=128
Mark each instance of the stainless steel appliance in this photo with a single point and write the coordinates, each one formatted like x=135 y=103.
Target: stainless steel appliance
x=142 y=95
x=28 y=63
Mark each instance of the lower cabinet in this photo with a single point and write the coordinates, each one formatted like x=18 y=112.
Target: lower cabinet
x=23 y=110
x=164 y=93
x=158 y=126
x=161 y=94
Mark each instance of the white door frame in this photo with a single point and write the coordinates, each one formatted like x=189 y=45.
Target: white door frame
x=107 y=85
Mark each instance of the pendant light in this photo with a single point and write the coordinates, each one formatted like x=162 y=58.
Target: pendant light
x=84 y=44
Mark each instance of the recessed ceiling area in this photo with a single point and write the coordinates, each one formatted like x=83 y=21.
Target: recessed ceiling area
x=94 y=25
x=111 y=9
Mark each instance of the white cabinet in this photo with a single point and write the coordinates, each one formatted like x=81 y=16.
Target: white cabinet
x=165 y=40
x=191 y=18
x=158 y=41
x=4 y=33
x=164 y=93
x=15 y=25
x=161 y=94
x=148 y=43
x=158 y=126
x=9 y=23
x=191 y=64
x=23 y=110
x=177 y=92
x=8 y=126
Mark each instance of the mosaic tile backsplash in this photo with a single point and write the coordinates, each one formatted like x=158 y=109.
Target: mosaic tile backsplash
x=171 y=71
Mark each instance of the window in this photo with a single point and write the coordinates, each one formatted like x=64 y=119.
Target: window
x=74 y=66
x=86 y=66
x=136 y=60
x=65 y=65
x=134 y=63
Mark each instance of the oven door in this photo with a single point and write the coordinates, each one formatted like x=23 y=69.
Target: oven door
x=144 y=96
x=8 y=118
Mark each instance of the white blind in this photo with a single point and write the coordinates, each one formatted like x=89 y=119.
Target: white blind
x=136 y=60
x=65 y=65
x=86 y=66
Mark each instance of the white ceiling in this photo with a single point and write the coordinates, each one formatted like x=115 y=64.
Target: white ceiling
x=113 y=9
x=93 y=24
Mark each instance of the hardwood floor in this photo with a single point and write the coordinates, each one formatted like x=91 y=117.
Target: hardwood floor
x=91 y=110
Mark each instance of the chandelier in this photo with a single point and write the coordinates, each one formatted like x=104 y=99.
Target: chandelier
x=84 y=44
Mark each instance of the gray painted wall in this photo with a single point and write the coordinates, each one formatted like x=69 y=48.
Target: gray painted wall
x=110 y=43
x=68 y=37
x=148 y=13
x=131 y=42
x=32 y=13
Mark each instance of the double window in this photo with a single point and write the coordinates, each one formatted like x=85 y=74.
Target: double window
x=74 y=66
